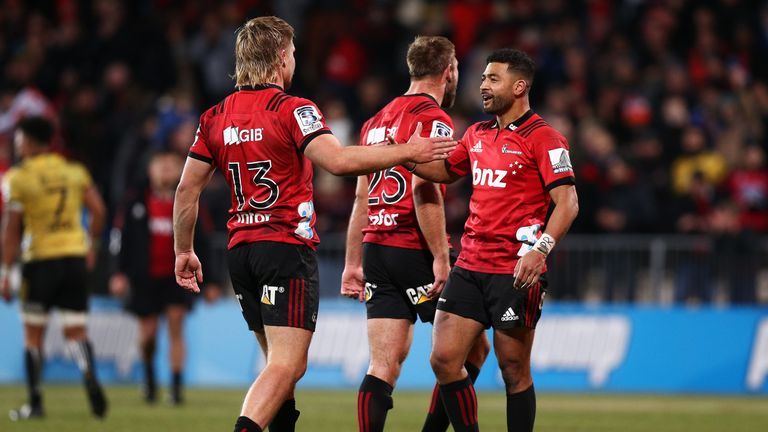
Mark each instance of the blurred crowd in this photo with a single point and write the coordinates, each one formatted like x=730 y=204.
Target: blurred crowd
x=664 y=103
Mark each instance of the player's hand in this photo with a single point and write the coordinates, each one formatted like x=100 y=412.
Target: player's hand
x=118 y=284
x=441 y=268
x=212 y=292
x=429 y=149
x=528 y=269
x=188 y=270
x=352 y=284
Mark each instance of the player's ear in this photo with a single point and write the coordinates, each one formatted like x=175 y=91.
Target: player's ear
x=283 y=52
x=520 y=87
x=447 y=74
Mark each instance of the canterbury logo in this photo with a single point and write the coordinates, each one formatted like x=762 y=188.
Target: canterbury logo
x=509 y=315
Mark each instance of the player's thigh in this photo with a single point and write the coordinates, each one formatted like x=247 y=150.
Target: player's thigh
x=72 y=288
x=452 y=338
x=39 y=280
x=389 y=340
x=384 y=299
x=175 y=314
x=288 y=347
x=276 y=284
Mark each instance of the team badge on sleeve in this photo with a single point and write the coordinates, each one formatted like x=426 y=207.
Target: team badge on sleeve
x=560 y=160
x=308 y=119
x=440 y=129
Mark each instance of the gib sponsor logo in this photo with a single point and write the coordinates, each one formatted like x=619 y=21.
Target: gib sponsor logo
x=758 y=364
x=488 y=177
x=341 y=340
x=114 y=336
x=252 y=218
x=235 y=135
x=596 y=345
x=382 y=218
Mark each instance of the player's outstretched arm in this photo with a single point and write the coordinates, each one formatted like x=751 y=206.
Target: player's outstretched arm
x=326 y=151
x=188 y=270
x=11 y=232
x=352 y=284
x=435 y=171
x=531 y=264
x=430 y=213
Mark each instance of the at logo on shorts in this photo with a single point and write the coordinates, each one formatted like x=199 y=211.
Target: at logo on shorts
x=268 y=294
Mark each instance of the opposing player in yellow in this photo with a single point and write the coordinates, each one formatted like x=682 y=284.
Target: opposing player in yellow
x=44 y=197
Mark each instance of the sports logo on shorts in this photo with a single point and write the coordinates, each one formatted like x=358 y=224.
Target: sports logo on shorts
x=369 y=287
x=509 y=315
x=419 y=295
x=268 y=294
x=440 y=129
x=560 y=160
x=308 y=119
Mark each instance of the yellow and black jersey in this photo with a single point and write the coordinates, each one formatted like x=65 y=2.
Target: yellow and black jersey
x=49 y=190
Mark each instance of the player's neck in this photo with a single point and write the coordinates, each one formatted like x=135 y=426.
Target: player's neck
x=428 y=87
x=518 y=108
x=162 y=193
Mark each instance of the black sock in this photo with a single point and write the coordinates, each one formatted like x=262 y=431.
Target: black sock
x=460 y=405
x=33 y=363
x=148 y=358
x=244 y=424
x=521 y=410
x=82 y=352
x=373 y=401
x=176 y=384
x=437 y=419
x=285 y=419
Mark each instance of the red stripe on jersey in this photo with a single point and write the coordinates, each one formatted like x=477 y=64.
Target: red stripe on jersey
x=462 y=408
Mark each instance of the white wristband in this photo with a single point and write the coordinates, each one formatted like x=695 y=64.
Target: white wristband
x=4 y=271
x=544 y=244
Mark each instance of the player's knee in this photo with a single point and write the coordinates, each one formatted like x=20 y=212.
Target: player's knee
x=386 y=370
x=516 y=374
x=444 y=364
x=479 y=351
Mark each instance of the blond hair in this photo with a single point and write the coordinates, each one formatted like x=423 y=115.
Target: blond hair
x=429 y=55
x=257 y=49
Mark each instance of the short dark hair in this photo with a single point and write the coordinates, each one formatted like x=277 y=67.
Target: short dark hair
x=429 y=55
x=39 y=129
x=516 y=61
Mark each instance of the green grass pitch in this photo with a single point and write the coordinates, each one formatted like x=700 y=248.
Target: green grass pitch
x=321 y=411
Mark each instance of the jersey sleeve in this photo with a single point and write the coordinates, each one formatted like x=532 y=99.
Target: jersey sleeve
x=436 y=124
x=553 y=160
x=13 y=191
x=83 y=176
x=458 y=161
x=199 y=149
x=305 y=122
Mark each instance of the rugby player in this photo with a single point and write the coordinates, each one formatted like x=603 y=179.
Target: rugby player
x=44 y=199
x=520 y=166
x=265 y=142
x=397 y=255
